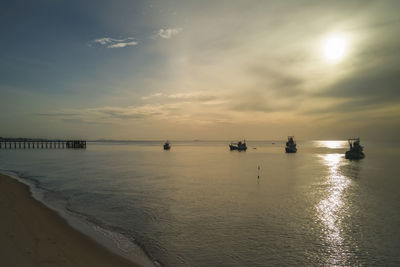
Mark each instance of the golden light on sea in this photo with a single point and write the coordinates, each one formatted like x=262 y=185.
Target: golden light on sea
x=331 y=208
x=332 y=143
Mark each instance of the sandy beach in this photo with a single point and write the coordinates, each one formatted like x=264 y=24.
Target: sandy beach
x=33 y=235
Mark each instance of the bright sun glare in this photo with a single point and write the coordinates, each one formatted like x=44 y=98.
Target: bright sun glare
x=335 y=48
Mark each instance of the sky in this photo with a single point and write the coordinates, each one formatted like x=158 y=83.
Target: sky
x=209 y=70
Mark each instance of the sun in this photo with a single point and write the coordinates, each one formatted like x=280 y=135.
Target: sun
x=335 y=48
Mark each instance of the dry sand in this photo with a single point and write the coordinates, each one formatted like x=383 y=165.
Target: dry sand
x=33 y=235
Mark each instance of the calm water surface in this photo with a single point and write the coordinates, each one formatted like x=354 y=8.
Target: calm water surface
x=200 y=204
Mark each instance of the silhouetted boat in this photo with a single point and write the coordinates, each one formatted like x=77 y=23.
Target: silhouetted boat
x=291 y=145
x=240 y=146
x=167 y=146
x=356 y=150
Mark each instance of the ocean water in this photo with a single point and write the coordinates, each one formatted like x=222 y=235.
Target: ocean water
x=200 y=204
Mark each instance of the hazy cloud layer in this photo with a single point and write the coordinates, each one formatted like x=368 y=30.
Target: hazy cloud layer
x=213 y=69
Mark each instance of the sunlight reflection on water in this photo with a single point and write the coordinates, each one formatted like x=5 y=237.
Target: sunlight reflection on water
x=330 y=209
x=331 y=144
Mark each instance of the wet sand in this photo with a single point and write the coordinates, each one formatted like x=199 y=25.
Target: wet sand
x=33 y=235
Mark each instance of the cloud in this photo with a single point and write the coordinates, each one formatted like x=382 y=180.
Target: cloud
x=167 y=33
x=55 y=114
x=115 y=43
x=122 y=44
x=131 y=41
x=365 y=90
x=155 y=95
x=105 y=114
x=180 y=97
x=82 y=121
x=137 y=112
x=176 y=107
x=377 y=84
x=103 y=41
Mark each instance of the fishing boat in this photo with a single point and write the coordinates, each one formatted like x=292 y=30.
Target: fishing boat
x=239 y=146
x=167 y=146
x=291 y=145
x=356 y=150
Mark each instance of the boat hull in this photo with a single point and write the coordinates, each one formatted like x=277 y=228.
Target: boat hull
x=290 y=150
x=239 y=147
x=354 y=155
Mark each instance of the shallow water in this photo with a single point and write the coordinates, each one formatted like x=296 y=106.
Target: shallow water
x=200 y=204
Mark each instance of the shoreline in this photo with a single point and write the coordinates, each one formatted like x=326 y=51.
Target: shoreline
x=31 y=234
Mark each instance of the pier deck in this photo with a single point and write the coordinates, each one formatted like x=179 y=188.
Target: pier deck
x=22 y=143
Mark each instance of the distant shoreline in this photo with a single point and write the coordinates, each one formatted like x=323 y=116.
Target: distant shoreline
x=34 y=235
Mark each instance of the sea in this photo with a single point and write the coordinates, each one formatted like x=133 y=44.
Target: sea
x=200 y=204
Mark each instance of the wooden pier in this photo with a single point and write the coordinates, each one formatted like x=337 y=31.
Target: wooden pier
x=22 y=143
